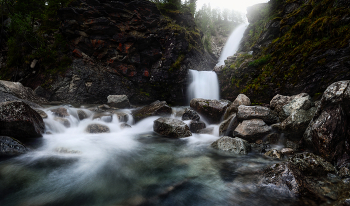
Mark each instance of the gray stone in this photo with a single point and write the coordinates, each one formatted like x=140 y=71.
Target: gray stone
x=190 y=114
x=229 y=125
x=196 y=126
x=298 y=103
x=257 y=112
x=157 y=108
x=233 y=108
x=235 y=145
x=124 y=125
x=311 y=164
x=97 y=128
x=287 y=151
x=118 y=101
x=41 y=113
x=171 y=128
x=274 y=153
x=41 y=92
x=252 y=130
x=212 y=110
x=344 y=172
x=104 y=116
x=60 y=112
x=208 y=130
x=82 y=114
x=63 y=121
x=11 y=147
x=122 y=116
x=18 y=90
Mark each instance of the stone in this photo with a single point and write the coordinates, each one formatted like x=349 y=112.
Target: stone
x=11 y=147
x=173 y=128
x=122 y=116
x=300 y=102
x=257 y=112
x=208 y=130
x=233 y=108
x=18 y=90
x=196 y=126
x=41 y=113
x=104 y=116
x=41 y=92
x=287 y=151
x=157 y=108
x=235 y=145
x=20 y=121
x=124 y=125
x=212 y=110
x=60 y=112
x=97 y=128
x=103 y=107
x=63 y=121
x=344 y=172
x=82 y=114
x=190 y=114
x=252 y=130
x=293 y=145
x=311 y=164
x=273 y=138
x=229 y=125
x=274 y=153
x=118 y=101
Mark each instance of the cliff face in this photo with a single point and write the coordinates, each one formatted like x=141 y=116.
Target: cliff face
x=298 y=46
x=127 y=47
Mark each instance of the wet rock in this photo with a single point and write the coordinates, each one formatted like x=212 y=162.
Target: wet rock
x=274 y=154
x=63 y=121
x=344 y=172
x=300 y=102
x=273 y=138
x=229 y=125
x=82 y=114
x=104 y=116
x=278 y=102
x=311 y=164
x=103 y=107
x=196 y=126
x=233 y=108
x=213 y=110
x=157 y=108
x=190 y=114
x=18 y=90
x=257 y=112
x=118 y=101
x=208 y=130
x=171 y=128
x=287 y=151
x=251 y=130
x=293 y=145
x=60 y=112
x=41 y=113
x=235 y=145
x=124 y=125
x=11 y=147
x=295 y=125
x=97 y=128
x=122 y=117
x=41 y=92
x=19 y=120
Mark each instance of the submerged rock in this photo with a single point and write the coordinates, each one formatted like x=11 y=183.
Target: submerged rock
x=157 y=108
x=97 y=128
x=19 y=120
x=63 y=121
x=190 y=114
x=118 y=101
x=60 y=112
x=233 y=108
x=122 y=116
x=41 y=113
x=196 y=126
x=257 y=112
x=171 y=128
x=11 y=147
x=235 y=145
x=252 y=130
x=213 y=110
x=82 y=114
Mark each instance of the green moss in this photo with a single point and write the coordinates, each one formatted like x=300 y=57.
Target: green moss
x=177 y=63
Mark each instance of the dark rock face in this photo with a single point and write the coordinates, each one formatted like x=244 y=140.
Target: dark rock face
x=257 y=112
x=213 y=110
x=190 y=114
x=171 y=128
x=118 y=101
x=328 y=132
x=154 y=109
x=310 y=164
x=11 y=147
x=127 y=47
x=235 y=145
x=196 y=126
x=229 y=125
x=252 y=130
x=20 y=121
x=97 y=128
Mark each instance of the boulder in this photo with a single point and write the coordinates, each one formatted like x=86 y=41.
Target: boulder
x=287 y=151
x=124 y=125
x=6 y=97
x=257 y=112
x=190 y=114
x=233 y=108
x=19 y=120
x=63 y=121
x=196 y=126
x=82 y=114
x=212 y=110
x=171 y=128
x=11 y=147
x=41 y=113
x=327 y=133
x=311 y=164
x=104 y=116
x=60 y=112
x=208 y=130
x=274 y=153
x=252 y=130
x=157 y=108
x=295 y=125
x=235 y=145
x=122 y=116
x=97 y=128
x=18 y=90
x=229 y=125
x=118 y=101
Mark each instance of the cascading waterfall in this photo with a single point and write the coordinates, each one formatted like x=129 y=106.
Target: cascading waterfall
x=204 y=85
x=232 y=44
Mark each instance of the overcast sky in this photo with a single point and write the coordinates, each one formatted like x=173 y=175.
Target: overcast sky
x=239 y=5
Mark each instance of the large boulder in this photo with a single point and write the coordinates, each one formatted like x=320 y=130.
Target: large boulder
x=257 y=112
x=212 y=110
x=97 y=128
x=235 y=145
x=11 y=147
x=173 y=128
x=190 y=114
x=18 y=90
x=328 y=131
x=118 y=101
x=229 y=125
x=252 y=130
x=157 y=108
x=196 y=126
x=233 y=108
x=60 y=112
x=19 y=120
x=311 y=164
x=82 y=114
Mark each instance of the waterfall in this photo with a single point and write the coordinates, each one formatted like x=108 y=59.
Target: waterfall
x=232 y=43
x=204 y=85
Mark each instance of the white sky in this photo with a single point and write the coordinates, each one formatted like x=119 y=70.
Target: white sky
x=239 y=5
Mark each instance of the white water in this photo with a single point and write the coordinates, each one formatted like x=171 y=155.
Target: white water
x=232 y=44
x=204 y=85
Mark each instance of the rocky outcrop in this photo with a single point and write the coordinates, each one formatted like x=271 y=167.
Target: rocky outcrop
x=97 y=128
x=118 y=101
x=252 y=130
x=212 y=110
x=18 y=90
x=229 y=125
x=233 y=108
x=157 y=108
x=235 y=145
x=60 y=112
x=20 y=121
x=196 y=126
x=11 y=147
x=257 y=112
x=171 y=128
x=190 y=114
